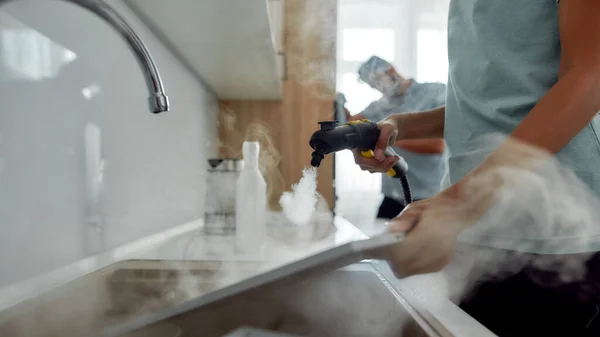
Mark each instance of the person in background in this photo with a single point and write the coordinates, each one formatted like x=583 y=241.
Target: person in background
x=529 y=70
x=424 y=157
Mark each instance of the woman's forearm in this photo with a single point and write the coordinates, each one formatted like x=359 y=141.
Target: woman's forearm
x=571 y=103
x=420 y=125
x=557 y=118
x=422 y=146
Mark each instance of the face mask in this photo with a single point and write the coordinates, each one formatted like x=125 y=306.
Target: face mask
x=387 y=85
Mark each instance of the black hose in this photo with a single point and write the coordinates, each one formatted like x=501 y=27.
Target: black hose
x=405 y=188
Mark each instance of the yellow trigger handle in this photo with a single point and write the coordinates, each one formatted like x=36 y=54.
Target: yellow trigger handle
x=369 y=154
x=358 y=121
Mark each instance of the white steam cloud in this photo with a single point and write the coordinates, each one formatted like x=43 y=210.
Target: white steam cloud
x=299 y=204
x=543 y=219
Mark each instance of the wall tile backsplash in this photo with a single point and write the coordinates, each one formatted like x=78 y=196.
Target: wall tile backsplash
x=84 y=166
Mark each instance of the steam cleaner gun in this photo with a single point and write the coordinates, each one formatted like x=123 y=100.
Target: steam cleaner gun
x=361 y=135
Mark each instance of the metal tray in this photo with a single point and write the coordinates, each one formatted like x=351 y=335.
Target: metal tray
x=319 y=263
x=353 y=301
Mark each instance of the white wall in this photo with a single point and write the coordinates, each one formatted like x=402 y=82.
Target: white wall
x=154 y=164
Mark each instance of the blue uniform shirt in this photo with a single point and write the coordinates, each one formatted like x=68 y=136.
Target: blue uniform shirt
x=504 y=57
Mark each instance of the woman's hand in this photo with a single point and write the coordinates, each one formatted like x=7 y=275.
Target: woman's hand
x=425 y=129
x=432 y=227
x=379 y=162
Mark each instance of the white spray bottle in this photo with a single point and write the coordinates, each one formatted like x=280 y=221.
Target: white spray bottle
x=251 y=203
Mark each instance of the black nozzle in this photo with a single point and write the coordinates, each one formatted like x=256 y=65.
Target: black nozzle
x=316 y=159
x=328 y=125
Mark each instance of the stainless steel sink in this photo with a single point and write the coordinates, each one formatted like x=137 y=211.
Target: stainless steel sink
x=352 y=301
x=118 y=293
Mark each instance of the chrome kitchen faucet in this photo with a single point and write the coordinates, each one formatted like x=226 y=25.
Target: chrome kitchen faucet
x=158 y=100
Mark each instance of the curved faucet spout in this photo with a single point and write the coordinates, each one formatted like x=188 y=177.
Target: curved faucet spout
x=158 y=100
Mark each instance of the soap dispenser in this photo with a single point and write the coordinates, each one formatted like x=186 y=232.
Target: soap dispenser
x=251 y=203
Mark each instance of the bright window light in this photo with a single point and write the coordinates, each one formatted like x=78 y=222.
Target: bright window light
x=361 y=43
x=432 y=55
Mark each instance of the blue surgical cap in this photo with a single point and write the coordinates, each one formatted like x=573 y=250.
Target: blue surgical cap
x=373 y=65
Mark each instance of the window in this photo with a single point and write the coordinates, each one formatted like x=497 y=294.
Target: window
x=432 y=55
x=361 y=43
